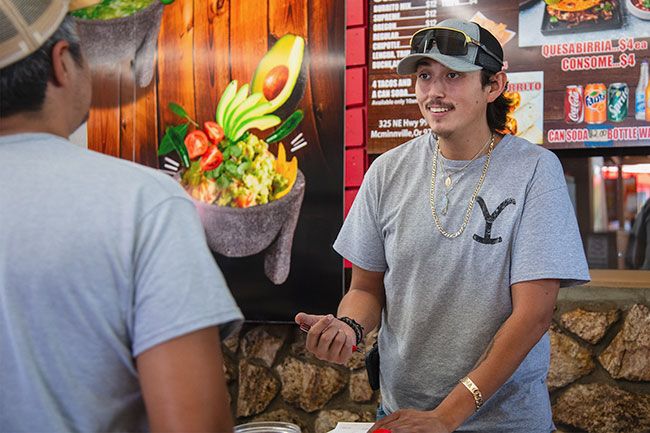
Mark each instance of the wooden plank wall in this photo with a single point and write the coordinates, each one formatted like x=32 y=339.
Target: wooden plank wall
x=202 y=45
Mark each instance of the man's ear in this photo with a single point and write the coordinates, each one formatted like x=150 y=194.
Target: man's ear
x=61 y=59
x=497 y=85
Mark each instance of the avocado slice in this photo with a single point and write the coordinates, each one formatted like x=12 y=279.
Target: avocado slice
x=262 y=123
x=258 y=110
x=232 y=117
x=225 y=100
x=240 y=97
x=280 y=75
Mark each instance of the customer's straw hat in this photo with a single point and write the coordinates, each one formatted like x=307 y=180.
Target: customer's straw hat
x=26 y=24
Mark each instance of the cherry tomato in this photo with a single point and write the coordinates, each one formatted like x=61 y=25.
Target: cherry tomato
x=197 y=143
x=214 y=131
x=211 y=159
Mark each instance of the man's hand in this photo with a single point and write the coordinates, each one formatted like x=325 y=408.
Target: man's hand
x=328 y=339
x=411 y=421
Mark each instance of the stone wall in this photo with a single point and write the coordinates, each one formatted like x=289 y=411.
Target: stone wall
x=599 y=379
x=272 y=377
x=600 y=361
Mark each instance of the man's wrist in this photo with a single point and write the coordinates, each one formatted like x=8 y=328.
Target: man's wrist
x=472 y=388
x=445 y=419
x=455 y=408
x=356 y=327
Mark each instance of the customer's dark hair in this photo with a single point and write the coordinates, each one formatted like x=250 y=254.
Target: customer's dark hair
x=23 y=84
x=498 y=109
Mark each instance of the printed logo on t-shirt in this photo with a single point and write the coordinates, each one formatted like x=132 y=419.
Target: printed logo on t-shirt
x=489 y=220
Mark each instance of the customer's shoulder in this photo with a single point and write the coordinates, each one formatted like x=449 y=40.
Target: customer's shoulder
x=122 y=178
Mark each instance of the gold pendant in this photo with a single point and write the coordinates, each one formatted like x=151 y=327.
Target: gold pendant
x=448 y=181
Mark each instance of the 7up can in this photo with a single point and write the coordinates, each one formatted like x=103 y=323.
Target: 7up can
x=618 y=96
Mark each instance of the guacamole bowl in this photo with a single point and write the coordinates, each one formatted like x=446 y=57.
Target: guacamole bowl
x=268 y=228
x=134 y=37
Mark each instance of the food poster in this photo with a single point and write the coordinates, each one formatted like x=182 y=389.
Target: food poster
x=242 y=103
x=525 y=117
x=575 y=65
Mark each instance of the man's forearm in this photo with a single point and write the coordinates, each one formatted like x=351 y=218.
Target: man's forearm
x=362 y=306
x=509 y=347
x=183 y=384
x=365 y=299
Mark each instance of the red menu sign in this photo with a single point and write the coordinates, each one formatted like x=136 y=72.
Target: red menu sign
x=577 y=77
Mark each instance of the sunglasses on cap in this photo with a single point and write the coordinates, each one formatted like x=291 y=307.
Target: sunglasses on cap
x=450 y=42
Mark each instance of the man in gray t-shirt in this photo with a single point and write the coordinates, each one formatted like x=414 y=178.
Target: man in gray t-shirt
x=460 y=242
x=111 y=306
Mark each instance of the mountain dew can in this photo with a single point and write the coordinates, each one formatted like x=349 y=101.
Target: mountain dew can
x=618 y=96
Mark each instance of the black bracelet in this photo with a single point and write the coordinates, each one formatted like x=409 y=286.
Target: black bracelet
x=356 y=327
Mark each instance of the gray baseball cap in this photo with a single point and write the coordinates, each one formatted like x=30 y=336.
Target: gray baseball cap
x=477 y=58
x=27 y=24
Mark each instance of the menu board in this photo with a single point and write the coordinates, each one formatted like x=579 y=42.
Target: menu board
x=574 y=69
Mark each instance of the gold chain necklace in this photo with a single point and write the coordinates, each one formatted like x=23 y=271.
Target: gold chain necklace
x=449 y=184
x=449 y=173
x=470 y=206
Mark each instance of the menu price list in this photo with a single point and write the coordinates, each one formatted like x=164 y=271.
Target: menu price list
x=388 y=95
x=593 y=56
x=392 y=24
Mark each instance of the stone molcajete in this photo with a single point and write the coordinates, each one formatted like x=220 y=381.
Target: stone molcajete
x=132 y=37
x=241 y=232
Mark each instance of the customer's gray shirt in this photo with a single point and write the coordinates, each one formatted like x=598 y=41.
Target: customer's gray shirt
x=446 y=298
x=100 y=260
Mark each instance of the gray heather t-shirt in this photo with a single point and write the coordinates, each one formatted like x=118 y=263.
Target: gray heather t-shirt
x=446 y=298
x=100 y=260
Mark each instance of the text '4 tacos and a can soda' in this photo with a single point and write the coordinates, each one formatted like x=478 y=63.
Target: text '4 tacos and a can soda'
x=597 y=103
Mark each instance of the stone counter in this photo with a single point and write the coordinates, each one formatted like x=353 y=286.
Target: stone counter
x=599 y=379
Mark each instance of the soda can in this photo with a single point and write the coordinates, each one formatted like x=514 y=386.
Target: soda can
x=574 y=108
x=595 y=103
x=618 y=97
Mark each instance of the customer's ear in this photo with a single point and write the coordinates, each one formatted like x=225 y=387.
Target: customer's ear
x=61 y=63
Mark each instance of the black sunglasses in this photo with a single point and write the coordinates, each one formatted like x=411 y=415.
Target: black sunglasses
x=450 y=42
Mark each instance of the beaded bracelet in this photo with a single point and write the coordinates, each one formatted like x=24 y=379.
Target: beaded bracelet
x=358 y=329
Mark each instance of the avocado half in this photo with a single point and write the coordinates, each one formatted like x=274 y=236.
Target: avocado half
x=280 y=76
